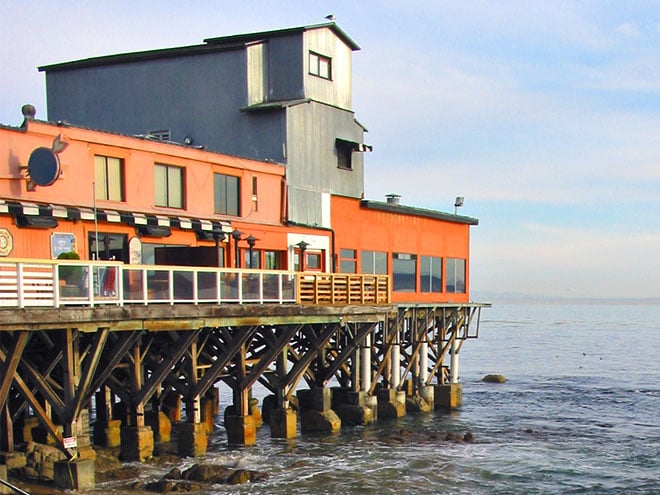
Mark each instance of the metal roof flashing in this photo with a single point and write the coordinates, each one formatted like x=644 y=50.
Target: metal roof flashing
x=423 y=212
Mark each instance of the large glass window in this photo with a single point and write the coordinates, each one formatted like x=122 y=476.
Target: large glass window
x=320 y=65
x=404 y=272
x=347 y=260
x=374 y=262
x=109 y=176
x=455 y=275
x=226 y=197
x=169 y=186
x=273 y=260
x=430 y=274
x=104 y=246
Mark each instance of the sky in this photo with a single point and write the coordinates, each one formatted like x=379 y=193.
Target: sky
x=543 y=115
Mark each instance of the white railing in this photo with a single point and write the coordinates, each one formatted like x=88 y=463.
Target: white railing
x=55 y=283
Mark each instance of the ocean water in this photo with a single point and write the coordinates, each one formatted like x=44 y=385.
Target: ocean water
x=579 y=413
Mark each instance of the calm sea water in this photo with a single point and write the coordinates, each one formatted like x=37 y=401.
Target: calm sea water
x=580 y=413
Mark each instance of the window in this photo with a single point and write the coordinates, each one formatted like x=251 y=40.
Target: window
x=104 y=246
x=273 y=259
x=253 y=261
x=169 y=186
x=430 y=274
x=456 y=275
x=320 y=65
x=226 y=197
x=347 y=260
x=404 y=272
x=374 y=262
x=313 y=262
x=109 y=175
x=345 y=151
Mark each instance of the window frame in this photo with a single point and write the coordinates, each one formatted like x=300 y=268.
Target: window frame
x=223 y=207
x=168 y=187
x=399 y=285
x=459 y=284
x=320 y=65
x=103 y=188
x=372 y=257
x=348 y=259
x=427 y=282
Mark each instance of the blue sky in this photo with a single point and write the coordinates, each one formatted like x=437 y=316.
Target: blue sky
x=544 y=115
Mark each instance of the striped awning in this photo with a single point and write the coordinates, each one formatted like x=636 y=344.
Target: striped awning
x=16 y=208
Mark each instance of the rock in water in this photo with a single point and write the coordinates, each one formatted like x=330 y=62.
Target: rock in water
x=494 y=379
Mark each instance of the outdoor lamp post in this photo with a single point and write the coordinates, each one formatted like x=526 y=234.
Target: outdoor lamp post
x=236 y=235
x=458 y=203
x=302 y=245
x=251 y=240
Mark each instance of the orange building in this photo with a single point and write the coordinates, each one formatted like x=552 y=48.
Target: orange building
x=140 y=201
x=110 y=196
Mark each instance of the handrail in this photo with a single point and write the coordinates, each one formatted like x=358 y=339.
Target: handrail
x=58 y=283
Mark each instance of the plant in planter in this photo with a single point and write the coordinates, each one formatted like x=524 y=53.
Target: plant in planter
x=72 y=275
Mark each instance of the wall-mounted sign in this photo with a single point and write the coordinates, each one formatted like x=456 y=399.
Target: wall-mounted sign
x=135 y=251
x=61 y=243
x=6 y=242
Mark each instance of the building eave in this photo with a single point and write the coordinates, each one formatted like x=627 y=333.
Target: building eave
x=418 y=212
x=142 y=56
x=262 y=35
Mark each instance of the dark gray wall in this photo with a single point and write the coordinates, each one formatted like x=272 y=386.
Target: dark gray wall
x=285 y=59
x=197 y=96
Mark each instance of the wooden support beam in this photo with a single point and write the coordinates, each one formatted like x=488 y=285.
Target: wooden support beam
x=281 y=341
x=83 y=392
x=113 y=355
x=43 y=386
x=344 y=354
x=300 y=368
x=230 y=345
x=44 y=417
x=173 y=354
x=10 y=363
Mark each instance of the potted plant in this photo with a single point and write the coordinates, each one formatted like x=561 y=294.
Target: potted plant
x=70 y=275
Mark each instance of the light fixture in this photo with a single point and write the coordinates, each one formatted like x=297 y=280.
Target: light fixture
x=188 y=140
x=458 y=203
x=236 y=235
x=153 y=231
x=36 y=222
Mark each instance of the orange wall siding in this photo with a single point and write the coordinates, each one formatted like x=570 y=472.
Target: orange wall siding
x=363 y=229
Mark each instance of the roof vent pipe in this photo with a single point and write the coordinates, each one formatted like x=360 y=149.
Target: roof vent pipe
x=393 y=198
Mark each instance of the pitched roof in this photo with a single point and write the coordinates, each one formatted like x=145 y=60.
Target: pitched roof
x=210 y=45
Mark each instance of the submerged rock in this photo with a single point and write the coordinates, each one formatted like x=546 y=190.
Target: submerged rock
x=494 y=379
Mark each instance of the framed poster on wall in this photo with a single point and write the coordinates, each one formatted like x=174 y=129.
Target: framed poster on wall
x=61 y=243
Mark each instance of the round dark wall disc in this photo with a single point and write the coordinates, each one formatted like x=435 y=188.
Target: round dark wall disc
x=43 y=166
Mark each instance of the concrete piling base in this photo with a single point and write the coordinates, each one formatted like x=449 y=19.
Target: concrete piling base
x=160 y=424
x=191 y=439
x=75 y=475
x=255 y=412
x=283 y=423
x=107 y=433
x=319 y=421
x=3 y=476
x=241 y=430
x=391 y=404
x=137 y=443
x=448 y=396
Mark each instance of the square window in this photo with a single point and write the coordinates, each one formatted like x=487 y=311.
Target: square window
x=226 y=194
x=109 y=176
x=168 y=186
x=430 y=274
x=404 y=272
x=320 y=65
